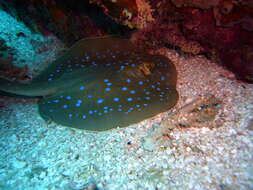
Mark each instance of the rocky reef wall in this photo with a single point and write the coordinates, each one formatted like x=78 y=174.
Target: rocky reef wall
x=220 y=29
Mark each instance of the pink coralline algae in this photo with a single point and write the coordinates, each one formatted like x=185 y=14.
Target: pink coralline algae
x=201 y=27
x=203 y=4
x=233 y=44
x=239 y=59
x=133 y=13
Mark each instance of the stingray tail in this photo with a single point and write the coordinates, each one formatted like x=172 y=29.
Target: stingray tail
x=16 y=88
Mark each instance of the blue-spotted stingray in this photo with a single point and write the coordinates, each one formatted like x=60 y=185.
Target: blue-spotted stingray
x=100 y=84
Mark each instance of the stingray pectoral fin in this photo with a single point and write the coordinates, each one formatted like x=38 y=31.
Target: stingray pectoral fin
x=100 y=113
x=112 y=100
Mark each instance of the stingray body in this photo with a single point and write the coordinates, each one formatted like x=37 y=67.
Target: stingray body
x=100 y=84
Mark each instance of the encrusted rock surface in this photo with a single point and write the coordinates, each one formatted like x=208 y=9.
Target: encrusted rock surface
x=220 y=29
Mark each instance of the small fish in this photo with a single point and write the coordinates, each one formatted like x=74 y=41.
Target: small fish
x=100 y=84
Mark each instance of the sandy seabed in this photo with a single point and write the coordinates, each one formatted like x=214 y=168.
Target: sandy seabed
x=36 y=155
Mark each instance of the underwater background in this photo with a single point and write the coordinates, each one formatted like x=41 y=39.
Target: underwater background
x=198 y=138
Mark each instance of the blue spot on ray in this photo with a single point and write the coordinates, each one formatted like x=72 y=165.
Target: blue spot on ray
x=132 y=92
x=107 y=89
x=130 y=109
x=129 y=99
x=115 y=99
x=82 y=88
x=100 y=101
